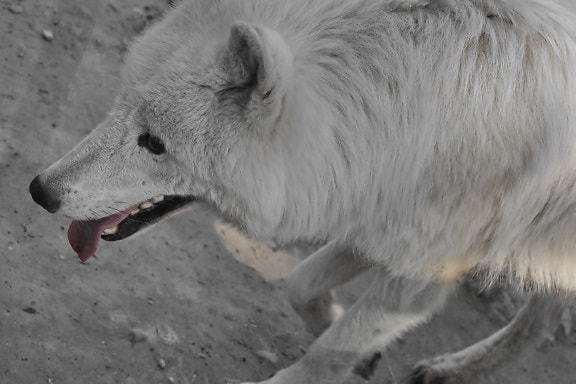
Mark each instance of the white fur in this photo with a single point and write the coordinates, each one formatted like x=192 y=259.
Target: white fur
x=429 y=137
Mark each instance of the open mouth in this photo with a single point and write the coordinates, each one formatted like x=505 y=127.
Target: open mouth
x=84 y=236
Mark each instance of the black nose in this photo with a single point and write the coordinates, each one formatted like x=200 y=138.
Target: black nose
x=43 y=196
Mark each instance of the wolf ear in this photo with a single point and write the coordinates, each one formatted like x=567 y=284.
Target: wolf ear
x=260 y=61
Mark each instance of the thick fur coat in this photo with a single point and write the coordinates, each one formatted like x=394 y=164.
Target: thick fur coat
x=429 y=137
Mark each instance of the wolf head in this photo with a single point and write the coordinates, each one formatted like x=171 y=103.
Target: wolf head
x=193 y=120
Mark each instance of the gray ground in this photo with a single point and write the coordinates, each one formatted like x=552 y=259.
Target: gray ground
x=172 y=305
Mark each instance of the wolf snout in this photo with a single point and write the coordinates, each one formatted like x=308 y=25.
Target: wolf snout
x=43 y=196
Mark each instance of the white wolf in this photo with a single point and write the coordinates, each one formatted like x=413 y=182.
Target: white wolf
x=421 y=139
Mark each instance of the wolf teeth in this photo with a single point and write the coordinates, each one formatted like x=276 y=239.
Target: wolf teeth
x=146 y=205
x=134 y=212
x=157 y=199
x=110 y=231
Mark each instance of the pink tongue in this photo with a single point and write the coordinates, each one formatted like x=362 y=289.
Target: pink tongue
x=85 y=235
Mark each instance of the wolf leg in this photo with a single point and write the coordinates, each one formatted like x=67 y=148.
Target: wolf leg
x=538 y=314
x=310 y=284
x=390 y=306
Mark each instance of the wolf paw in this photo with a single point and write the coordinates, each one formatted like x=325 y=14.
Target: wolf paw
x=427 y=374
x=366 y=367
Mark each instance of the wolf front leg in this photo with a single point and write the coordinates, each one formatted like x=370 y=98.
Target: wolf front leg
x=538 y=316
x=390 y=306
x=310 y=284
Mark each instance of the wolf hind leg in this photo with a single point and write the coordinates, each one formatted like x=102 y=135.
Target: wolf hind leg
x=537 y=315
x=389 y=307
x=310 y=284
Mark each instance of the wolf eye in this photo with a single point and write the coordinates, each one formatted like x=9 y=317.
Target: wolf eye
x=151 y=143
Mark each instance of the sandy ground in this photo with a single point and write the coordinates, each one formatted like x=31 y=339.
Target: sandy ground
x=188 y=301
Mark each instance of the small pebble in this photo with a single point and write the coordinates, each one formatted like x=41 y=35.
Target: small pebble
x=161 y=363
x=47 y=35
x=269 y=356
x=138 y=336
x=16 y=9
x=30 y=310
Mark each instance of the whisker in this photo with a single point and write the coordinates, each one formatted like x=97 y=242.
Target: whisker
x=390 y=368
x=120 y=202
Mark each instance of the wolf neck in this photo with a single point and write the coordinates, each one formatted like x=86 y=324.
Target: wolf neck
x=334 y=101
x=319 y=143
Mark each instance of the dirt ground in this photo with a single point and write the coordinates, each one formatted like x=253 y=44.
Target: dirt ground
x=179 y=304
